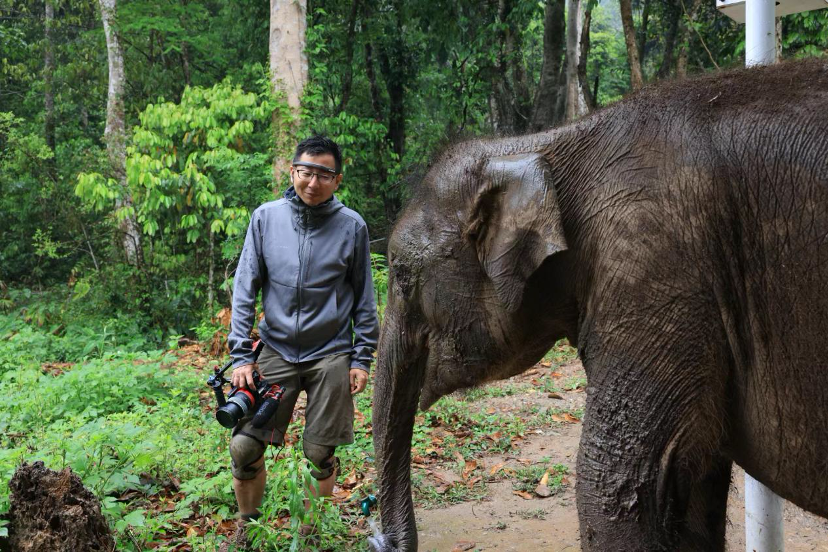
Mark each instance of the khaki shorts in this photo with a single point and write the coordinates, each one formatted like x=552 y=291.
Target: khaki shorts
x=329 y=415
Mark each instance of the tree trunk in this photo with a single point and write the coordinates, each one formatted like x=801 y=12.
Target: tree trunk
x=636 y=77
x=211 y=271
x=372 y=81
x=115 y=133
x=642 y=32
x=687 y=18
x=288 y=72
x=543 y=112
x=670 y=43
x=778 y=39
x=347 y=77
x=572 y=38
x=48 y=76
x=582 y=62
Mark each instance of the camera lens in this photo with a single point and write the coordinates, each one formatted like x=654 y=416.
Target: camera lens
x=237 y=407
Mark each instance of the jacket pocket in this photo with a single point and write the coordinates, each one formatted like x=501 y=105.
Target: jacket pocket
x=319 y=321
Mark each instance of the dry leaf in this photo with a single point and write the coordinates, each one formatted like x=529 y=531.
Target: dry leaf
x=523 y=494
x=570 y=418
x=556 y=375
x=532 y=372
x=545 y=479
x=545 y=363
x=192 y=532
x=462 y=546
x=474 y=481
x=496 y=468
x=555 y=396
x=524 y=461
x=459 y=458
x=471 y=465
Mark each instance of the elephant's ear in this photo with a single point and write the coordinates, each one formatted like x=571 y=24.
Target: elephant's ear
x=515 y=222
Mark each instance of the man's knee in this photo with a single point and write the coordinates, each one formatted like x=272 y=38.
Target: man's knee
x=245 y=452
x=322 y=458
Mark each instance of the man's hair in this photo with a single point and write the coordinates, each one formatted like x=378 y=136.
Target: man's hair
x=319 y=145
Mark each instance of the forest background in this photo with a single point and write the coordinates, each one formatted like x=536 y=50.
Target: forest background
x=137 y=136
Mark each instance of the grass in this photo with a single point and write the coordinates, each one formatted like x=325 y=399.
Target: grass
x=528 y=477
x=136 y=424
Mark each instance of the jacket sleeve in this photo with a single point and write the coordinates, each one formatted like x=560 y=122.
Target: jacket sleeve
x=246 y=285
x=364 y=314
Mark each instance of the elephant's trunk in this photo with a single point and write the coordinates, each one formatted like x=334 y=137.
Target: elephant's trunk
x=399 y=379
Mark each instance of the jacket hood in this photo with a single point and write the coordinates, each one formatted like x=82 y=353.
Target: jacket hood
x=308 y=215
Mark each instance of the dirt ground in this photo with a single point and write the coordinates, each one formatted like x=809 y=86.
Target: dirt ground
x=508 y=522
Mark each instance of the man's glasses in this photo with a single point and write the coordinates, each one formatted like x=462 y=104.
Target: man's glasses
x=306 y=176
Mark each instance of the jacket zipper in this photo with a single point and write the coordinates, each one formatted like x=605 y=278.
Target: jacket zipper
x=303 y=232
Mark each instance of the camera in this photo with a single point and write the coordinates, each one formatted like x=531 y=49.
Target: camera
x=264 y=398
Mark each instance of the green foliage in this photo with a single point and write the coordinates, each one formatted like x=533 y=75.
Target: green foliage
x=190 y=164
x=528 y=477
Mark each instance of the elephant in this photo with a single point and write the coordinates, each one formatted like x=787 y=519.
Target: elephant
x=679 y=240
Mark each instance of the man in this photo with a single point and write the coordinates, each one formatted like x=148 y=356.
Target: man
x=309 y=255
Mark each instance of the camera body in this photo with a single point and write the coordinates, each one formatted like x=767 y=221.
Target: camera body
x=263 y=398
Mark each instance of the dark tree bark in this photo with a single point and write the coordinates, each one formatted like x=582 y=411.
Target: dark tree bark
x=582 y=61
x=546 y=97
x=636 y=77
x=642 y=32
x=670 y=42
x=48 y=76
x=372 y=81
x=347 y=77
x=688 y=15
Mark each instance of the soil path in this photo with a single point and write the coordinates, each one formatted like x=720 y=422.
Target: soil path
x=508 y=522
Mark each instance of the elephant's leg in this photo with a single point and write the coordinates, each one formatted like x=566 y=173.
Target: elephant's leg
x=704 y=527
x=650 y=474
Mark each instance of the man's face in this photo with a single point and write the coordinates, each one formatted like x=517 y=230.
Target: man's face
x=311 y=188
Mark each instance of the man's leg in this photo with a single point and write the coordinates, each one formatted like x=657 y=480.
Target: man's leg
x=249 y=474
x=323 y=467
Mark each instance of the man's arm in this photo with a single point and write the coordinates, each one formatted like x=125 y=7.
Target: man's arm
x=364 y=315
x=246 y=285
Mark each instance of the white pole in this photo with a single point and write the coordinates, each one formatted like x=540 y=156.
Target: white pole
x=764 y=530
x=760 y=32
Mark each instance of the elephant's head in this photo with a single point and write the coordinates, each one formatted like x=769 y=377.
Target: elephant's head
x=464 y=302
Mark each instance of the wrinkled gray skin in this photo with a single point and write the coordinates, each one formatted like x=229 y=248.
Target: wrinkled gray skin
x=680 y=239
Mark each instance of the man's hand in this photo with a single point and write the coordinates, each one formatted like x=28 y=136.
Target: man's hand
x=359 y=378
x=243 y=376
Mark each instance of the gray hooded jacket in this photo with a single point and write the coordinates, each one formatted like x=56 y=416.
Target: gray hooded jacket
x=313 y=267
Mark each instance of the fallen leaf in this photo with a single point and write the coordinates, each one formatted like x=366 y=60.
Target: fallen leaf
x=555 y=396
x=570 y=418
x=545 y=479
x=532 y=372
x=459 y=458
x=496 y=468
x=491 y=410
x=471 y=465
x=192 y=532
x=524 y=461
x=462 y=546
x=523 y=494
x=474 y=481
x=556 y=375
x=545 y=363
x=441 y=489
